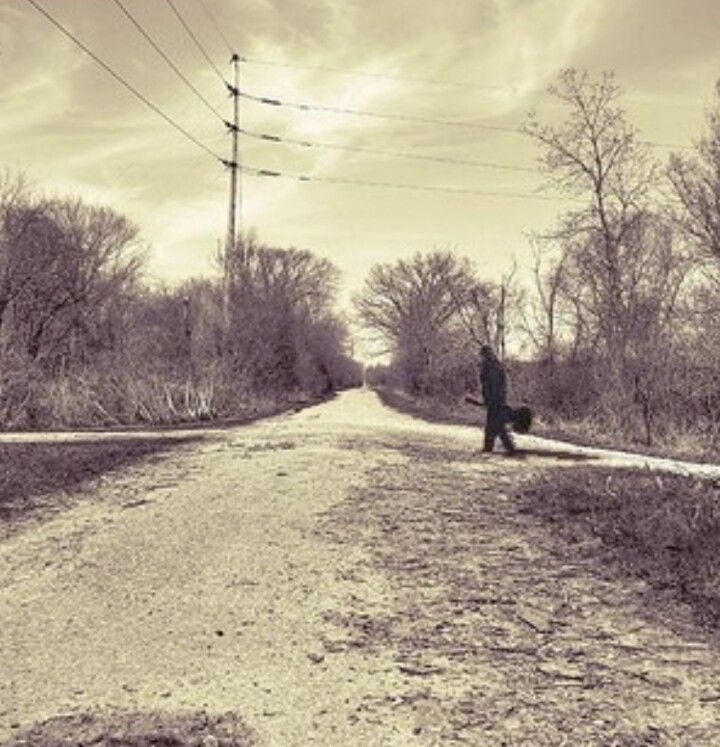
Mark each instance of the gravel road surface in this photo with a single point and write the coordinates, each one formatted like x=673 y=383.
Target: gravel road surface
x=345 y=575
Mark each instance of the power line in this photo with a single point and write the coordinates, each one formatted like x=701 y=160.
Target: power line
x=269 y=101
x=165 y=57
x=196 y=41
x=387 y=76
x=396 y=185
x=275 y=102
x=267 y=172
x=515 y=90
x=214 y=22
x=122 y=80
x=377 y=115
x=385 y=152
x=654 y=144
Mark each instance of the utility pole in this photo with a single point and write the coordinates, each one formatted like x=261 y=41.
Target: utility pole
x=501 y=320
x=187 y=329
x=506 y=291
x=235 y=208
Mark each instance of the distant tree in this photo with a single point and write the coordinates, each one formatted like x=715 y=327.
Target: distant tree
x=542 y=314
x=281 y=299
x=15 y=201
x=477 y=306
x=410 y=303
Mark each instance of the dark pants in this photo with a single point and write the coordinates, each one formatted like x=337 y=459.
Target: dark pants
x=497 y=417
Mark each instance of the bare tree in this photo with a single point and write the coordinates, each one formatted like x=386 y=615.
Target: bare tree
x=478 y=308
x=595 y=157
x=696 y=179
x=541 y=315
x=13 y=194
x=410 y=303
x=621 y=269
x=282 y=326
x=67 y=269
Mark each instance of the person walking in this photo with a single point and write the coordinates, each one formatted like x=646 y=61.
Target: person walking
x=494 y=391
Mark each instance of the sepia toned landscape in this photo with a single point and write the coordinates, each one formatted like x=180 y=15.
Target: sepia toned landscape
x=359 y=373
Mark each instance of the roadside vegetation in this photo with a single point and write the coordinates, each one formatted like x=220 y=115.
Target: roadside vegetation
x=458 y=412
x=663 y=529
x=612 y=335
x=84 y=341
x=31 y=471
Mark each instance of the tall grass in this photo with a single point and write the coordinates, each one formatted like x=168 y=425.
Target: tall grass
x=664 y=529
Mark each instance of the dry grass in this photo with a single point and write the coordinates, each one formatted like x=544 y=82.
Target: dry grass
x=31 y=470
x=664 y=529
x=29 y=400
x=689 y=447
x=692 y=447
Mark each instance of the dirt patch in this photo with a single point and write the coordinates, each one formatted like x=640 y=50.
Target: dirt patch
x=136 y=730
x=501 y=633
x=37 y=477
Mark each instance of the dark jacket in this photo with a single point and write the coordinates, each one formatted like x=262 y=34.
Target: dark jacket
x=492 y=382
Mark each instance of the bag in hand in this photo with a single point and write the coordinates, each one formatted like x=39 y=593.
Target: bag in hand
x=521 y=418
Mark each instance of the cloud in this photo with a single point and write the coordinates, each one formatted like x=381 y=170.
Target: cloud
x=76 y=129
x=657 y=46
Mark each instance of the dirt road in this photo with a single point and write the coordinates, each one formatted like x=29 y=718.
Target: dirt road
x=342 y=576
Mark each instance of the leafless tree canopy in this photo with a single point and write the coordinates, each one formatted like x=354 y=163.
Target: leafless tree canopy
x=68 y=271
x=434 y=313
x=618 y=308
x=696 y=180
x=83 y=340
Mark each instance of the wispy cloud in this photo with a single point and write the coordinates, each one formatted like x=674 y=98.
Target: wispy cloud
x=74 y=128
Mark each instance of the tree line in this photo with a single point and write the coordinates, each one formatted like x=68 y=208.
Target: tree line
x=85 y=341
x=619 y=318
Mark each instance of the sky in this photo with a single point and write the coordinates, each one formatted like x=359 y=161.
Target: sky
x=73 y=130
